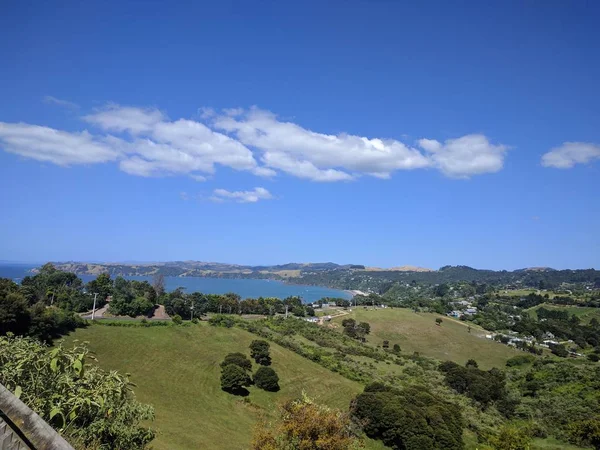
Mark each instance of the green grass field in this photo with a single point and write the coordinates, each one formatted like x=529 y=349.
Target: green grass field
x=176 y=369
x=418 y=332
x=584 y=313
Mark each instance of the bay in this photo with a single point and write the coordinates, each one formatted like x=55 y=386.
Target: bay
x=245 y=288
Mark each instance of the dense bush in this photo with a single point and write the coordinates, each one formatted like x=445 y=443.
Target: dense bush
x=486 y=387
x=238 y=359
x=234 y=378
x=91 y=407
x=221 y=320
x=520 y=360
x=259 y=351
x=267 y=379
x=408 y=419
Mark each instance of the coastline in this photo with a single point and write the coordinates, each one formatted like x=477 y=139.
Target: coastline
x=355 y=292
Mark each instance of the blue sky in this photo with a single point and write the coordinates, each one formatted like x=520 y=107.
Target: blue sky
x=373 y=132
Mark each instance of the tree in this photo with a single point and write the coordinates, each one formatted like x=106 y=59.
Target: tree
x=307 y=426
x=397 y=348
x=103 y=286
x=386 y=344
x=411 y=418
x=237 y=359
x=158 y=283
x=14 y=314
x=234 y=378
x=259 y=351
x=267 y=379
x=438 y=321
x=472 y=363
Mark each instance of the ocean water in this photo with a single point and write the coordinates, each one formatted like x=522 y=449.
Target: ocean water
x=246 y=288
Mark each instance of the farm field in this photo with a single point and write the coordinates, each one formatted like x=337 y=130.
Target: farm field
x=176 y=369
x=418 y=332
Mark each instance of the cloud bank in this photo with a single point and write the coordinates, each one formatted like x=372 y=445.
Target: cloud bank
x=146 y=142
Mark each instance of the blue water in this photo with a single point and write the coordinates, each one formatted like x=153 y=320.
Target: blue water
x=243 y=287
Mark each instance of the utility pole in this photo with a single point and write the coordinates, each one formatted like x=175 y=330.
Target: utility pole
x=192 y=309
x=94 y=308
x=286 y=311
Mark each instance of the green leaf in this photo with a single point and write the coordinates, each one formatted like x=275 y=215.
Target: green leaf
x=77 y=365
x=54 y=364
x=54 y=412
x=18 y=391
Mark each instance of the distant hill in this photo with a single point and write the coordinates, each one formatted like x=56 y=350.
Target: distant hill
x=400 y=269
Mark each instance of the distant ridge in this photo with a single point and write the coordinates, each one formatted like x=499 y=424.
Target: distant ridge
x=400 y=269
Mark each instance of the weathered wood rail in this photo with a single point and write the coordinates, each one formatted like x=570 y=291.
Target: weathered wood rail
x=23 y=429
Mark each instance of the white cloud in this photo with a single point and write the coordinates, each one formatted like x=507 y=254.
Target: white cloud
x=58 y=147
x=466 y=156
x=319 y=157
x=316 y=156
x=146 y=143
x=199 y=178
x=60 y=102
x=162 y=147
x=571 y=153
x=125 y=118
x=259 y=193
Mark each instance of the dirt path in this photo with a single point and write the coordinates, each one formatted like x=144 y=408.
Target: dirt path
x=99 y=313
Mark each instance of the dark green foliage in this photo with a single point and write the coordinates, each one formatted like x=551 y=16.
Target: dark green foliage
x=221 y=320
x=237 y=359
x=386 y=344
x=356 y=330
x=132 y=298
x=234 y=378
x=472 y=363
x=520 y=360
x=484 y=387
x=259 y=351
x=586 y=432
x=438 y=321
x=177 y=320
x=559 y=350
x=593 y=357
x=397 y=348
x=267 y=379
x=38 y=320
x=408 y=419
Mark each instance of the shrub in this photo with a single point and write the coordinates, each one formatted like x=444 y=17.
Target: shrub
x=177 y=320
x=306 y=425
x=234 y=378
x=237 y=359
x=520 y=360
x=92 y=408
x=593 y=357
x=397 y=348
x=259 y=350
x=195 y=320
x=411 y=418
x=267 y=379
x=221 y=320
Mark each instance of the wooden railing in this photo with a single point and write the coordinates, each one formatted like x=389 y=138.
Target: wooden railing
x=22 y=429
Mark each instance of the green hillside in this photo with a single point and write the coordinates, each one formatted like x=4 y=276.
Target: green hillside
x=584 y=313
x=176 y=369
x=418 y=332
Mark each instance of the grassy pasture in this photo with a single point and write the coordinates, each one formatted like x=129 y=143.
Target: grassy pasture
x=418 y=332
x=176 y=369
